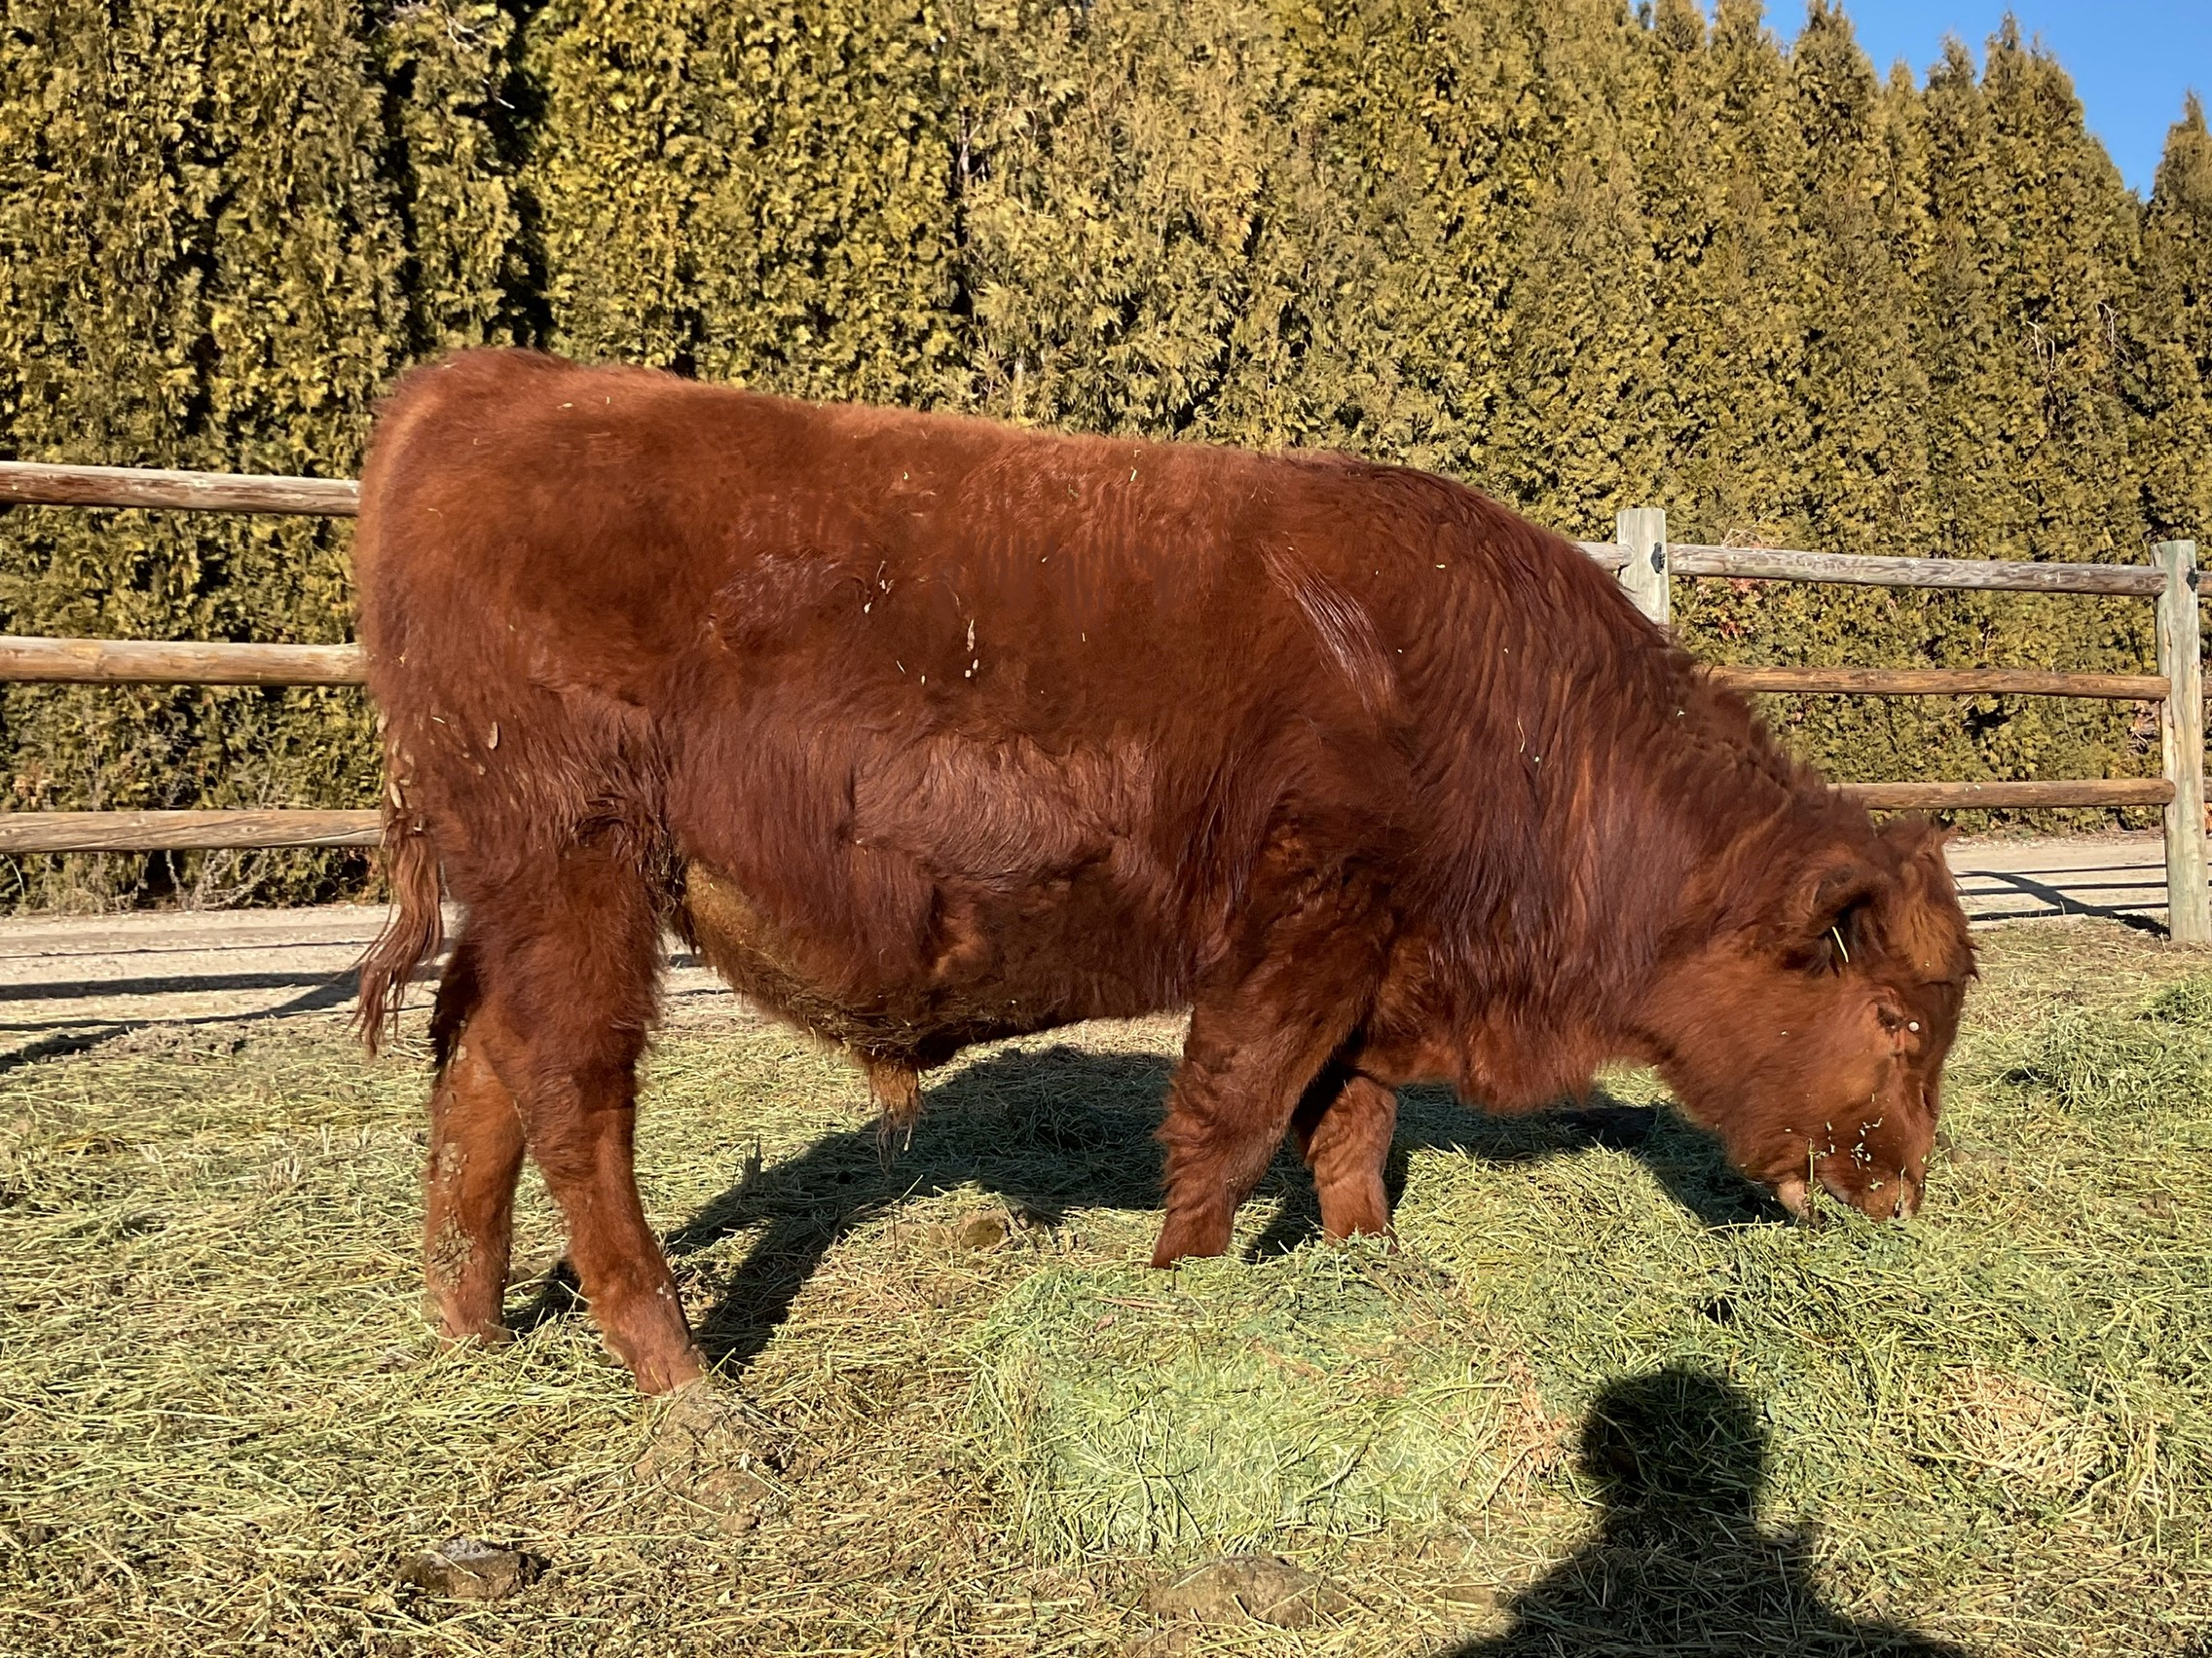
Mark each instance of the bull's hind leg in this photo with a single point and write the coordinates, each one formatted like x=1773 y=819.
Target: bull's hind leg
x=1344 y=1126
x=1261 y=1030
x=468 y=1180
x=569 y=958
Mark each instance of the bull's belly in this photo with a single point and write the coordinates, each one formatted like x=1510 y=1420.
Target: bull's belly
x=917 y=1018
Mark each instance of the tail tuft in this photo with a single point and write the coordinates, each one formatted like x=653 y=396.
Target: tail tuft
x=410 y=934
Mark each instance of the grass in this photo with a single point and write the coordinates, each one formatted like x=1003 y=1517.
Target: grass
x=1598 y=1401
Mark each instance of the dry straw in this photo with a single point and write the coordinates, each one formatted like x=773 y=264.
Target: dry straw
x=1600 y=1399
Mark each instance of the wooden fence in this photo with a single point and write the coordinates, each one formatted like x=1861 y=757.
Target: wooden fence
x=1641 y=554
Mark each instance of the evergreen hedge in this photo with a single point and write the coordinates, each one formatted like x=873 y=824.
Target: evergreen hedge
x=1581 y=257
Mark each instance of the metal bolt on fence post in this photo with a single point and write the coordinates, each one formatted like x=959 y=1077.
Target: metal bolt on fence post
x=1646 y=571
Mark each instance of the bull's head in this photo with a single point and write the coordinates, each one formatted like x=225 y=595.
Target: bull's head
x=1813 y=1040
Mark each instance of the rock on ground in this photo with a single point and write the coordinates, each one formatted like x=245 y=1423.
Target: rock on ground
x=464 y=1569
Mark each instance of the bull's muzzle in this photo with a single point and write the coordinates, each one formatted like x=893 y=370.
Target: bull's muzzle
x=1795 y=1194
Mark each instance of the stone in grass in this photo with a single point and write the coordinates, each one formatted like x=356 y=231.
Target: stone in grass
x=992 y=1229
x=981 y=1231
x=464 y=1568
x=1262 y=1588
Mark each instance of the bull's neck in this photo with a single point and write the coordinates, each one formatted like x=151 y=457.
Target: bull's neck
x=1599 y=782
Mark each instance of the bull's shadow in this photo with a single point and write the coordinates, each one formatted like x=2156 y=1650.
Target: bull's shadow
x=1059 y=1130
x=1680 y=1563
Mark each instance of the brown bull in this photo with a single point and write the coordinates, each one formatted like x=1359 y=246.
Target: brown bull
x=928 y=730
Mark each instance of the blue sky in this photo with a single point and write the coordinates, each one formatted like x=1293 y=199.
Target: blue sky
x=2132 y=60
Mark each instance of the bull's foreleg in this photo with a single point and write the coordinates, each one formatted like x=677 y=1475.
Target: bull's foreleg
x=468 y=1192
x=567 y=995
x=1344 y=1127
x=1261 y=1032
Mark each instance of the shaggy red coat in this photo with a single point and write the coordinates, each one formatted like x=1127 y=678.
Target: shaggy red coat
x=929 y=730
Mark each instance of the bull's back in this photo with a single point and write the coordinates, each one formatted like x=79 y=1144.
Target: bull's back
x=634 y=520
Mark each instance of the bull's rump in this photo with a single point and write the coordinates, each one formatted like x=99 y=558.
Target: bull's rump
x=981 y=727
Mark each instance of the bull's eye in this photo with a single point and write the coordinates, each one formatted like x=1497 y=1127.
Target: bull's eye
x=1912 y=1024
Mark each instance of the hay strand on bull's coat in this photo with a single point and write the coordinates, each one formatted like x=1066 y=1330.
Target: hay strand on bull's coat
x=224 y=1429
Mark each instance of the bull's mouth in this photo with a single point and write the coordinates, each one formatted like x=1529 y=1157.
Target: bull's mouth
x=1902 y=1194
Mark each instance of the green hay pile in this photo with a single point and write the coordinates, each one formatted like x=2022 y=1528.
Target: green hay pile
x=1598 y=1401
x=2158 y=1061
x=1317 y=1397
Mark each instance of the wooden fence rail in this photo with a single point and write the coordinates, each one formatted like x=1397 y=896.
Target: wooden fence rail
x=1942 y=681
x=39 y=483
x=182 y=831
x=1645 y=559
x=147 y=662
x=154 y=662
x=1984 y=575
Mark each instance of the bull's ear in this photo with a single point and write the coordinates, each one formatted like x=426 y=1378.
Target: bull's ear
x=1829 y=921
x=1922 y=921
x=1913 y=836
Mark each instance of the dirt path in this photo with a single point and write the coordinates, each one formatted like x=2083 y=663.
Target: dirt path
x=67 y=981
x=2120 y=877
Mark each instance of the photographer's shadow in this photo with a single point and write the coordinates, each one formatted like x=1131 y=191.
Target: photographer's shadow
x=1062 y=1129
x=1679 y=1563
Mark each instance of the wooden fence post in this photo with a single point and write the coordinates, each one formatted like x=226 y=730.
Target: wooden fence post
x=2180 y=731
x=1640 y=533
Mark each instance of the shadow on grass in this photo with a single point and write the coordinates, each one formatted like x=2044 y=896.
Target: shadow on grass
x=1680 y=1563
x=1061 y=1129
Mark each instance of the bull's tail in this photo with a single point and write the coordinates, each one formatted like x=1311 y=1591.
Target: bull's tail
x=412 y=932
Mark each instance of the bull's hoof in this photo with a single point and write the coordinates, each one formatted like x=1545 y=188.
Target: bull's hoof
x=1349 y=1210
x=1381 y=1233
x=1192 y=1237
x=454 y=1328
x=666 y=1373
